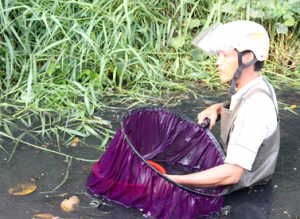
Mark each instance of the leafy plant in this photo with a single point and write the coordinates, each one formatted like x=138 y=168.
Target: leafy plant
x=284 y=13
x=60 y=58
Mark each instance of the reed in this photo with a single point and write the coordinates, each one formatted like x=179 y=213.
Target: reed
x=59 y=58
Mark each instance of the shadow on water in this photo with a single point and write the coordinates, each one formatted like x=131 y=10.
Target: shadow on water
x=278 y=199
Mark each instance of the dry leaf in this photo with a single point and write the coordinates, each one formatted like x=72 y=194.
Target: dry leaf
x=96 y=117
x=294 y=83
x=22 y=189
x=75 y=142
x=293 y=106
x=43 y=216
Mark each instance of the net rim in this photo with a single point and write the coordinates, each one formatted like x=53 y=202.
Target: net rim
x=208 y=132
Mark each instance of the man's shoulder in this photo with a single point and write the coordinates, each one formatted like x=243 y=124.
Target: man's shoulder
x=260 y=106
x=262 y=94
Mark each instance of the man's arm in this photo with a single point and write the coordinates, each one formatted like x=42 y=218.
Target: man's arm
x=224 y=174
x=211 y=113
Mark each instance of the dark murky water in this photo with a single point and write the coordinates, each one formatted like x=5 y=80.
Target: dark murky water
x=279 y=199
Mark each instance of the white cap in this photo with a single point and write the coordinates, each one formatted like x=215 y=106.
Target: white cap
x=240 y=35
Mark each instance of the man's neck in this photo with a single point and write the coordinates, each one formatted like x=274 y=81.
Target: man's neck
x=247 y=76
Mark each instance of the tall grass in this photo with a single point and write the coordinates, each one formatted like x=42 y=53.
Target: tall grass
x=105 y=43
x=59 y=57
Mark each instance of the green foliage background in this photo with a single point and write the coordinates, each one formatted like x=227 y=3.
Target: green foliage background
x=58 y=57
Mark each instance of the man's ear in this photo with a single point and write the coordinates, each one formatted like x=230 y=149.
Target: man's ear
x=248 y=57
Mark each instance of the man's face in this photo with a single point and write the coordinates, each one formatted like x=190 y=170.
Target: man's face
x=227 y=64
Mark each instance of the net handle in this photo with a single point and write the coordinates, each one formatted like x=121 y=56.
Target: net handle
x=206 y=122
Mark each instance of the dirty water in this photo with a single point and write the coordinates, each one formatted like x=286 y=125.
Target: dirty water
x=279 y=199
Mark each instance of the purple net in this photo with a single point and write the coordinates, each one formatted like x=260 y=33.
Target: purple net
x=179 y=145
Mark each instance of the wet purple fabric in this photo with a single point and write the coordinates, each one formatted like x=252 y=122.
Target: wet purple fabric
x=181 y=146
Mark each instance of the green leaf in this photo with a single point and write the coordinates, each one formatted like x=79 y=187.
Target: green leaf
x=269 y=4
x=56 y=43
x=177 y=42
x=52 y=68
x=86 y=72
x=194 y=23
x=281 y=28
x=94 y=76
x=91 y=131
x=290 y=22
x=72 y=131
x=229 y=8
x=296 y=9
x=105 y=141
x=203 y=22
x=78 y=85
x=293 y=1
x=198 y=74
x=81 y=75
x=241 y=3
x=256 y=13
x=138 y=77
x=288 y=15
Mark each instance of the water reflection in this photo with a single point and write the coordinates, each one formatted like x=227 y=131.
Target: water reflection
x=278 y=199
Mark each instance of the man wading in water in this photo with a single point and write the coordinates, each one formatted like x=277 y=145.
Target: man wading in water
x=249 y=118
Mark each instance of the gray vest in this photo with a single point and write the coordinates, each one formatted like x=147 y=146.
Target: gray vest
x=265 y=161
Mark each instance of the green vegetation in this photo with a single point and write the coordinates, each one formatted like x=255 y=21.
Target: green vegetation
x=60 y=58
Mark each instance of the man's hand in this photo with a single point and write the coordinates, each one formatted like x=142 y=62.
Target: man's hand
x=211 y=113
